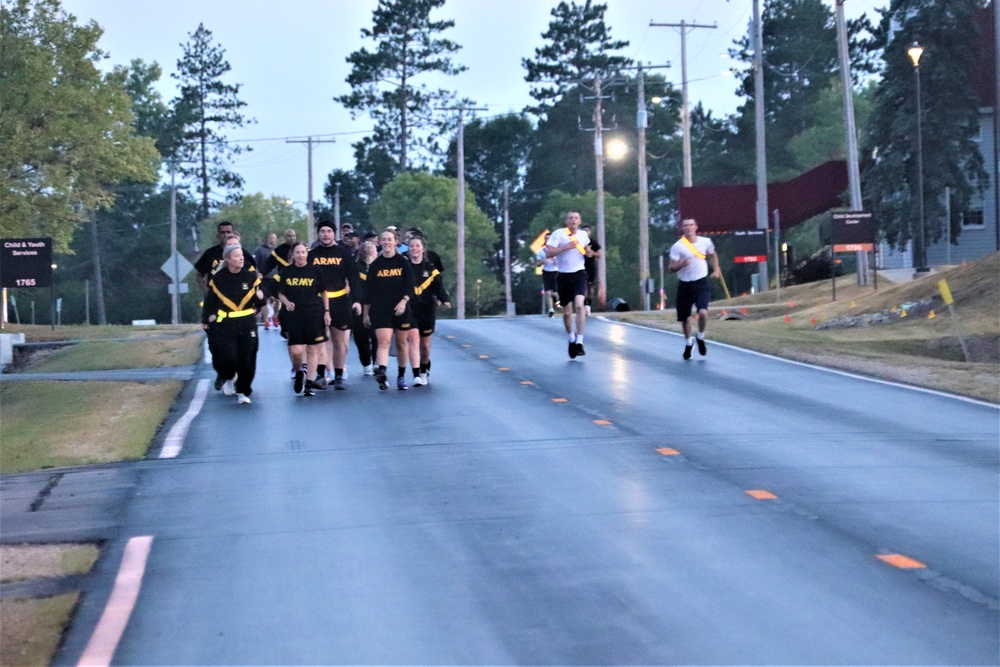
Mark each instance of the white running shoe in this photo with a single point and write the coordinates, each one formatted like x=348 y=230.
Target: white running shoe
x=370 y=369
x=419 y=381
x=345 y=371
x=242 y=399
x=425 y=378
x=228 y=388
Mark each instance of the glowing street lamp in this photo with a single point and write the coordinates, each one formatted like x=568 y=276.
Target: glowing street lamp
x=915 y=52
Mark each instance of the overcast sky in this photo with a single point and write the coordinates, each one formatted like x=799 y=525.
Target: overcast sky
x=290 y=56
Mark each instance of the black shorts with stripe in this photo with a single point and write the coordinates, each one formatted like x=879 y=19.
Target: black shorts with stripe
x=425 y=317
x=340 y=313
x=305 y=327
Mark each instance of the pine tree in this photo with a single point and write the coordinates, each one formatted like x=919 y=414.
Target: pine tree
x=203 y=109
x=578 y=47
x=407 y=45
x=950 y=119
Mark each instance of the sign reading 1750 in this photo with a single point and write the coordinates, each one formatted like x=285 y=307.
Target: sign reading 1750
x=26 y=262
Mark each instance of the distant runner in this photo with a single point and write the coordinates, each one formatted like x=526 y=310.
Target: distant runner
x=689 y=260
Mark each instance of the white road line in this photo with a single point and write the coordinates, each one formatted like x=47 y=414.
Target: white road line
x=103 y=643
x=175 y=438
x=933 y=392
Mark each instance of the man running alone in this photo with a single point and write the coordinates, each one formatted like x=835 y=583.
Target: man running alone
x=689 y=259
x=569 y=248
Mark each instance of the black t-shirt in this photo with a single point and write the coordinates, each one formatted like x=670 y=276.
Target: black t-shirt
x=303 y=286
x=209 y=259
x=428 y=283
x=279 y=257
x=389 y=280
x=338 y=267
x=590 y=263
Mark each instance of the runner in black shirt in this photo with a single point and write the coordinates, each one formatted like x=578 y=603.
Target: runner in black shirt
x=344 y=292
x=387 y=294
x=302 y=291
x=429 y=291
x=364 y=336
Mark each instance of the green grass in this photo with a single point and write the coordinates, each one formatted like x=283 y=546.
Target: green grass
x=34 y=333
x=111 y=355
x=30 y=629
x=55 y=424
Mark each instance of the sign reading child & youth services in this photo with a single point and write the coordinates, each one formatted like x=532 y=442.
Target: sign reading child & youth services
x=26 y=262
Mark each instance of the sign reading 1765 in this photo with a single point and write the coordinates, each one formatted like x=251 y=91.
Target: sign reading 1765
x=26 y=262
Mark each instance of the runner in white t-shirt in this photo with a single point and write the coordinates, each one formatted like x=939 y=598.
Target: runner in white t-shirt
x=569 y=248
x=549 y=273
x=689 y=260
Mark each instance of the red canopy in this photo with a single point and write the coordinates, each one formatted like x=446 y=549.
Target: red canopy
x=723 y=208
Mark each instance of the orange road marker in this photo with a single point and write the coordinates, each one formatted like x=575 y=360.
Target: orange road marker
x=449 y=337
x=791 y=304
x=484 y=356
x=466 y=345
x=788 y=318
x=667 y=451
x=931 y=315
x=602 y=422
x=502 y=369
x=743 y=311
x=560 y=400
x=724 y=313
x=760 y=494
x=901 y=561
x=813 y=320
x=526 y=382
x=854 y=305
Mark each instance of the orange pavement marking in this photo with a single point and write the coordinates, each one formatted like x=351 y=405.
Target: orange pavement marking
x=559 y=400
x=527 y=382
x=901 y=561
x=602 y=422
x=667 y=451
x=466 y=345
x=449 y=337
x=760 y=494
x=503 y=369
x=484 y=356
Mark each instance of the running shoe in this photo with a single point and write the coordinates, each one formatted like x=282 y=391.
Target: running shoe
x=702 y=350
x=309 y=389
x=419 y=381
x=425 y=378
x=370 y=369
x=218 y=383
x=579 y=350
x=572 y=350
x=551 y=312
x=320 y=383
x=242 y=399
x=401 y=384
x=294 y=371
x=687 y=351
x=338 y=384
x=383 y=382
x=267 y=324
x=228 y=388
x=300 y=379
x=345 y=374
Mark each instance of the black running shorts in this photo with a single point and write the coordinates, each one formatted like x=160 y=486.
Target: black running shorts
x=549 y=280
x=572 y=285
x=340 y=313
x=425 y=318
x=304 y=327
x=693 y=293
x=388 y=319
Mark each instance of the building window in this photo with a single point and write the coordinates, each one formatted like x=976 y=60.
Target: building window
x=973 y=218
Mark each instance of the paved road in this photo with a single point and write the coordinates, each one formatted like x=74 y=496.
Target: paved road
x=495 y=518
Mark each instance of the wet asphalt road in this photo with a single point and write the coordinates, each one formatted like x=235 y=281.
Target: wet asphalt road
x=495 y=518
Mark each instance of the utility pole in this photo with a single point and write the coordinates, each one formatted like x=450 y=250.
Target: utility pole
x=685 y=27
x=336 y=208
x=641 y=123
x=310 y=231
x=850 y=131
x=602 y=266
x=506 y=248
x=175 y=298
x=758 y=96
x=460 y=213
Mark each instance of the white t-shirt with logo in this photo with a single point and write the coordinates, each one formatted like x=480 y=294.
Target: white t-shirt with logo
x=570 y=261
x=698 y=268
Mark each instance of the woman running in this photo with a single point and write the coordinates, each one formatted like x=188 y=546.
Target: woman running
x=302 y=292
x=387 y=294
x=364 y=337
x=429 y=291
x=233 y=294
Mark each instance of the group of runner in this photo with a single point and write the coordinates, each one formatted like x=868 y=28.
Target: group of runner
x=318 y=296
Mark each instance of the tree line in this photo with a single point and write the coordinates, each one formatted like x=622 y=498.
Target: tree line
x=86 y=154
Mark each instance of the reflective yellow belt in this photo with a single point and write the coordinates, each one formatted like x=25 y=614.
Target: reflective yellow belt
x=335 y=295
x=238 y=313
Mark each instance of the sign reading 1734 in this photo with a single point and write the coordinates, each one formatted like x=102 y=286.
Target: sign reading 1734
x=26 y=262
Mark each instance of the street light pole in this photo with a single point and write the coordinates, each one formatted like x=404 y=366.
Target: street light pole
x=758 y=96
x=602 y=267
x=915 y=52
x=641 y=122
x=336 y=207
